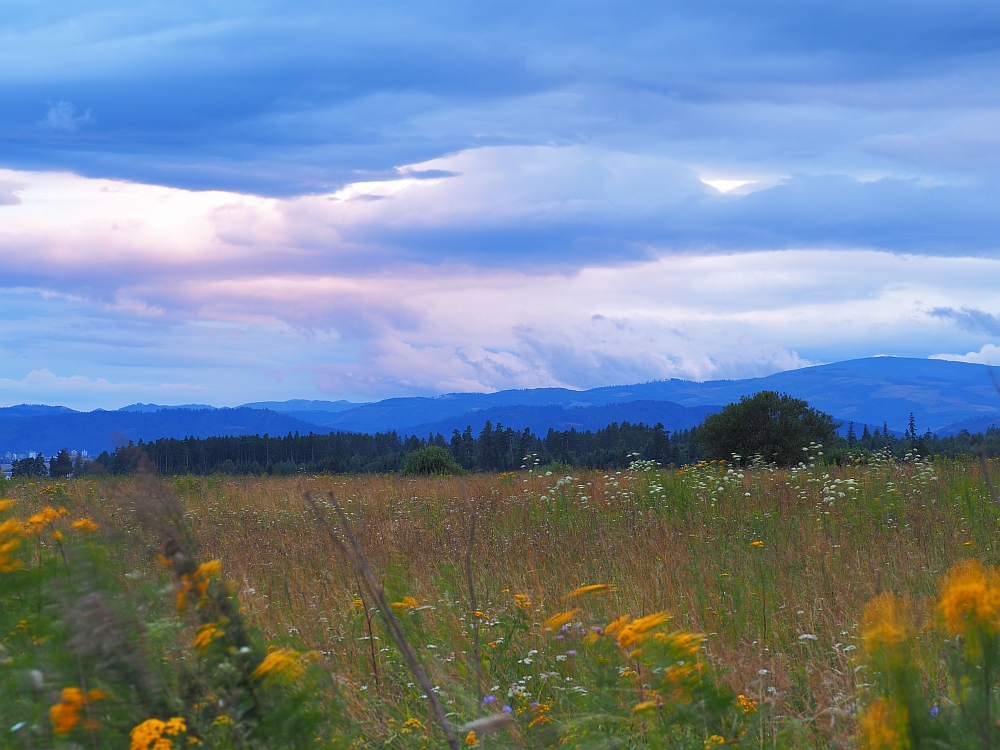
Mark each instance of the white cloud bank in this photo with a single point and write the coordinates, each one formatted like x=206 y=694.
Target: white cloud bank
x=369 y=302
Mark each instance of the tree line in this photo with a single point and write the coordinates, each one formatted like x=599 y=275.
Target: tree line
x=495 y=448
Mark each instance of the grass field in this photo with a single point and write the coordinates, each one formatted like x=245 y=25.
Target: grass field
x=773 y=566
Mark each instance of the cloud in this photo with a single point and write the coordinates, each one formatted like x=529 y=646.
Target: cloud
x=9 y=192
x=970 y=319
x=989 y=354
x=62 y=116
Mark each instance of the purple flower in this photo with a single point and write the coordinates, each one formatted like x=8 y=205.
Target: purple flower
x=571 y=652
x=508 y=710
x=935 y=710
x=560 y=638
x=534 y=704
x=488 y=699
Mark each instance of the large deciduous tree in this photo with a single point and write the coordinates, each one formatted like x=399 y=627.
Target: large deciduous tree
x=774 y=426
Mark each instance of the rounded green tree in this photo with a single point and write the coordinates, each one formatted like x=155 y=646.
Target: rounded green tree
x=774 y=426
x=429 y=461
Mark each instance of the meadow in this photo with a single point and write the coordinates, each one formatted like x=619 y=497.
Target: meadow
x=768 y=570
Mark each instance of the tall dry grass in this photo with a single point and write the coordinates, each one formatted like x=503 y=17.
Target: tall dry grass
x=782 y=617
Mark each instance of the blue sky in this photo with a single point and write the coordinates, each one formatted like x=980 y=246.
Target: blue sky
x=225 y=202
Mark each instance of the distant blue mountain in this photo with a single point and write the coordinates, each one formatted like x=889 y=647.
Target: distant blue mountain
x=149 y=408
x=541 y=418
x=98 y=431
x=870 y=391
x=943 y=396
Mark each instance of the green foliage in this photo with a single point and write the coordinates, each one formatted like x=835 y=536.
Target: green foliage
x=87 y=661
x=776 y=427
x=430 y=461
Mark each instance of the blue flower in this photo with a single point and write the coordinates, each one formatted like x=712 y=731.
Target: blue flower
x=508 y=710
x=488 y=699
x=935 y=710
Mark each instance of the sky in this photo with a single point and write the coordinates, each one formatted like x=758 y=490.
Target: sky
x=221 y=202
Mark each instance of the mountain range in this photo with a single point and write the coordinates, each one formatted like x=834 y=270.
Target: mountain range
x=943 y=396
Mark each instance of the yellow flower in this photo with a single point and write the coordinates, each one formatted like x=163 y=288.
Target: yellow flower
x=638 y=630
x=884 y=622
x=746 y=704
x=66 y=713
x=58 y=535
x=197 y=582
x=149 y=734
x=882 y=726
x=557 y=621
x=687 y=644
x=11 y=532
x=6 y=505
x=222 y=720
x=408 y=603
x=471 y=740
x=655 y=702
x=208 y=633
x=756 y=544
x=84 y=524
x=522 y=601
x=592 y=588
x=714 y=741
x=37 y=523
x=358 y=603
x=615 y=625
x=281 y=665
x=970 y=594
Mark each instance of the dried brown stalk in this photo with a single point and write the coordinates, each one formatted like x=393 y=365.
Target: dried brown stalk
x=352 y=550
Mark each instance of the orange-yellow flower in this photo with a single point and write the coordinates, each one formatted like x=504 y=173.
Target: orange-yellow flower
x=84 y=524
x=883 y=726
x=208 y=633
x=591 y=589
x=638 y=630
x=558 y=620
x=970 y=594
x=149 y=734
x=11 y=532
x=65 y=714
x=282 y=665
x=408 y=603
x=884 y=622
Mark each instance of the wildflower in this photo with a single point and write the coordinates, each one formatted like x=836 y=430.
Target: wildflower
x=489 y=699
x=522 y=601
x=11 y=532
x=413 y=723
x=471 y=740
x=84 y=524
x=58 y=535
x=222 y=720
x=281 y=665
x=197 y=582
x=149 y=734
x=37 y=523
x=655 y=702
x=66 y=713
x=882 y=726
x=970 y=594
x=637 y=631
x=714 y=741
x=757 y=543
x=558 y=620
x=883 y=622
x=746 y=704
x=408 y=603
x=614 y=626
x=507 y=710
x=592 y=588
x=687 y=644
x=6 y=505
x=208 y=633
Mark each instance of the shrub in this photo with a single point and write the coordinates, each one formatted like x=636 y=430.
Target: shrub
x=430 y=461
x=774 y=426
